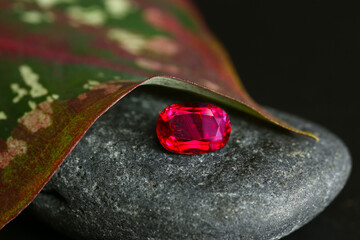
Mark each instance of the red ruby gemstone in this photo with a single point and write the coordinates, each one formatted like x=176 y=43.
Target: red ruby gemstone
x=193 y=128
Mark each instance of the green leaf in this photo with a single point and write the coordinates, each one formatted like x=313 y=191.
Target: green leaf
x=63 y=63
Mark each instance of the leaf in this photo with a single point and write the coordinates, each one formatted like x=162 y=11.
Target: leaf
x=63 y=63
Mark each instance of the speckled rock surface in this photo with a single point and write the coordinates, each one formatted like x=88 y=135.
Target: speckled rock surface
x=119 y=183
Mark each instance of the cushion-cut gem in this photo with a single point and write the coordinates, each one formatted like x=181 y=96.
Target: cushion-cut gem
x=193 y=128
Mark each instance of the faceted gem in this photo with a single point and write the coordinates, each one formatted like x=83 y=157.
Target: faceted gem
x=193 y=128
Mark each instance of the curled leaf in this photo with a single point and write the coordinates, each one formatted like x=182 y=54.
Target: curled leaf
x=65 y=62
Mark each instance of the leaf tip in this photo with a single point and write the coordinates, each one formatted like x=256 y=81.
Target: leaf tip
x=309 y=134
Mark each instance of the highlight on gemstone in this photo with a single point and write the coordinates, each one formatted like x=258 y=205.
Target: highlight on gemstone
x=193 y=128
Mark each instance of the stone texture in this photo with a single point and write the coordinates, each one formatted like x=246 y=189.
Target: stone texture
x=119 y=183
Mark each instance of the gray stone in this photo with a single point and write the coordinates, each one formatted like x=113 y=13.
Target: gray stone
x=119 y=183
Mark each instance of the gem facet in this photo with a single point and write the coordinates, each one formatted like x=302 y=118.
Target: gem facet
x=193 y=128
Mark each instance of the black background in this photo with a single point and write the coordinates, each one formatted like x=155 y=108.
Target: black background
x=302 y=57
x=298 y=56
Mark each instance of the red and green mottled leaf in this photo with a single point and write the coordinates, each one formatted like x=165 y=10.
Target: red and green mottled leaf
x=63 y=63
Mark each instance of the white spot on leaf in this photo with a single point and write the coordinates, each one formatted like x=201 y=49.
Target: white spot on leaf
x=32 y=80
x=157 y=66
x=90 y=84
x=3 y=116
x=211 y=85
x=33 y=17
x=36 y=17
x=118 y=8
x=38 y=118
x=32 y=104
x=93 y=16
x=162 y=46
x=15 y=147
x=135 y=43
x=131 y=42
x=52 y=98
x=21 y=92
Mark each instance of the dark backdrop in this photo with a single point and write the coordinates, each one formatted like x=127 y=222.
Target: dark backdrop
x=298 y=56
x=302 y=57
